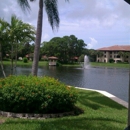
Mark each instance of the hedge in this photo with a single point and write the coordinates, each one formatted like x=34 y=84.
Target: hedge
x=31 y=94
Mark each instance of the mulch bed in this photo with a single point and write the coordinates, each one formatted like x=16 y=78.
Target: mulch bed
x=76 y=111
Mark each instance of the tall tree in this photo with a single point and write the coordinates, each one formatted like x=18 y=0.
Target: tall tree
x=53 y=18
x=65 y=48
x=3 y=40
x=12 y=35
x=18 y=32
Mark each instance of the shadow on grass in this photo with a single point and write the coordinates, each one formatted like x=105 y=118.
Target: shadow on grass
x=79 y=123
x=86 y=121
x=95 y=100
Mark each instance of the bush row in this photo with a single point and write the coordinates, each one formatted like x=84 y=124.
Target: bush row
x=31 y=94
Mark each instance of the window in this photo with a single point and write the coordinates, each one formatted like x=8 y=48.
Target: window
x=118 y=56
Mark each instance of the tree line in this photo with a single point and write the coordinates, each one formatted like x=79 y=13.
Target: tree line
x=17 y=37
x=65 y=48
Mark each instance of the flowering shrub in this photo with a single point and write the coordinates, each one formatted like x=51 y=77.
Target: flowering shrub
x=30 y=94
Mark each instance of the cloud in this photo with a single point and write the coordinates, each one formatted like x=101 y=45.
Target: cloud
x=106 y=12
x=105 y=21
x=46 y=37
x=92 y=43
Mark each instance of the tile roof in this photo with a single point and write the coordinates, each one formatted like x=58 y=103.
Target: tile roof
x=52 y=58
x=116 y=48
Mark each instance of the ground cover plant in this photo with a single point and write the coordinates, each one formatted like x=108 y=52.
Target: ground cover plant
x=31 y=94
x=100 y=113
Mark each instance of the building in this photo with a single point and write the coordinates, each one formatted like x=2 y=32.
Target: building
x=117 y=53
x=29 y=56
x=52 y=60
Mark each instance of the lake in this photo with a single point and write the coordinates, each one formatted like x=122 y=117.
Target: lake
x=112 y=80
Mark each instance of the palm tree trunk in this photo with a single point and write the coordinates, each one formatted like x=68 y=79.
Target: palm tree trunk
x=12 y=62
x=16 y=57
x=2 y=62
x=38 y=39
x=129 y=101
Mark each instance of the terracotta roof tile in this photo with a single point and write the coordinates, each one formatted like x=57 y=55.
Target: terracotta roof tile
x=53 y=57
x=116 y=48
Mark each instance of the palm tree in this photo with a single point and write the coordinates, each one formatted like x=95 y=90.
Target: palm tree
x=3 y=39
x=126 y=54
x=99 y=55
x=53 y=18
x=123 y=55
x=18 y=32
x=14 y=34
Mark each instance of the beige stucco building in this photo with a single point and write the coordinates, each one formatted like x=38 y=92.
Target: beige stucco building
x=114 y=52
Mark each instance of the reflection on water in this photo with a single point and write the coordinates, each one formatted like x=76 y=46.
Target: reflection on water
x=113 y=80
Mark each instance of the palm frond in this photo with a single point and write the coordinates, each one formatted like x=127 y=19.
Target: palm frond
x=52 y=13
x=24 y=4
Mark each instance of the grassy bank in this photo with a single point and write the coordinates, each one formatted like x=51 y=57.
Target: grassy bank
x=29 y=63
x=93 y=64
x=100 y=113
x=116 y=65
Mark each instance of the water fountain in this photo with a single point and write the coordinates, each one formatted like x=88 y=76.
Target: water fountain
x=86 y=62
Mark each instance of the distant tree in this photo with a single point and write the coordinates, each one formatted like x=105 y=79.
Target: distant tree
x=81 y=58
x=124 y=55
x=3 y=41
x=92 y=55
x=99 y=53
x=26 y=49
x=121 y=53
x=127 y=55
x=64 y=48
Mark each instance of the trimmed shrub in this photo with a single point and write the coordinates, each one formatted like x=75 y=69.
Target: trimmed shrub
x=30 y=94
x=58 y=64
x=111 y=60
x=119 y=61
x=25 y=60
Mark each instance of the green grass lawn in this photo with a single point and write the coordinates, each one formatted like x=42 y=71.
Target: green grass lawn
x=100 y=113
x=93 y=64
x=29 y=63
x=116 y=65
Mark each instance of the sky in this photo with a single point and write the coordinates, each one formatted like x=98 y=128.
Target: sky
x=100 y=23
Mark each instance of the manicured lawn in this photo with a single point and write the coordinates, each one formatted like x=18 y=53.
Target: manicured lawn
x=100 y=113
x=29 y=63
x=117 y=65
x=93 y=64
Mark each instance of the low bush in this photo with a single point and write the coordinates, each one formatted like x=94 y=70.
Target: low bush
x=111 y=61
x=30 y=94
x=58 y=64
x=119 y=61
x=25 y=60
